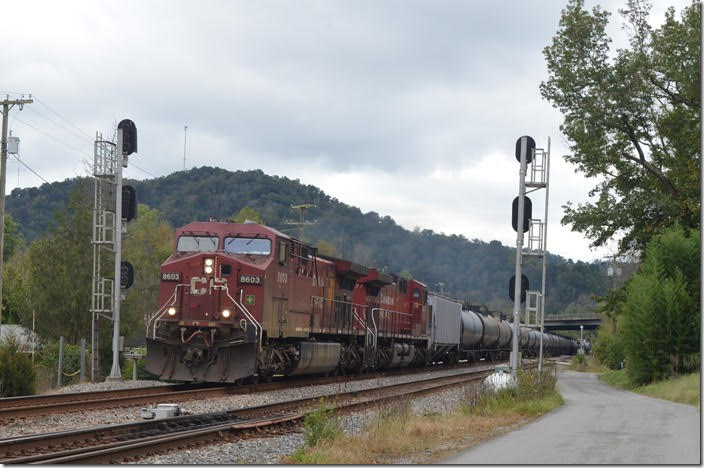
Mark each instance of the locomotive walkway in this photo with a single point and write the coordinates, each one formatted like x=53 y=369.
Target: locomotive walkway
x=598 y=424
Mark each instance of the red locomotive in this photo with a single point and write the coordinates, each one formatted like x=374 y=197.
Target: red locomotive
x=247 y=301
x=242 y=300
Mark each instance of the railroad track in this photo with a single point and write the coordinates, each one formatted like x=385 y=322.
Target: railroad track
x=129 y=442
x=21 y=407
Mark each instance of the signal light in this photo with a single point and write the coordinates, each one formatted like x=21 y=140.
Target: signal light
x=129 y=203
x=126 y=275
x=527 y=213
x=512 y=288
x=129 y=136
x=530 y=148
x=171 y=311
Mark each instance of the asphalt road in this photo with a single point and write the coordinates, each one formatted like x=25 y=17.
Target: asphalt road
x=598 y=424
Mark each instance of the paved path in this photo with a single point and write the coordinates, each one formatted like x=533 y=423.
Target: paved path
x=598 y=424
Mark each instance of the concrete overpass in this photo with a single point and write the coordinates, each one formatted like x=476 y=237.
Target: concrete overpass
x=572 y=322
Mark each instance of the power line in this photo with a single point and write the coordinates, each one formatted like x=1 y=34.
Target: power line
x=25 y=165
x=63 y=118
x=61 y=126
x=53 y=137
x=139 y=168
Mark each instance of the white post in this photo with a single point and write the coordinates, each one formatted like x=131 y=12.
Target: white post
x=33 y=335
x=519 y=258
x=83 y=359
x=61 y=361
x=117 y=291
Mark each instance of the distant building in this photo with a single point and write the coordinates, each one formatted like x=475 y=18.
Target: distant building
x=21 y=334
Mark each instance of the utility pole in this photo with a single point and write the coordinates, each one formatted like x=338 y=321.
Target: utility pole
x=7 y=104
x=302 y=223
x=185 y=133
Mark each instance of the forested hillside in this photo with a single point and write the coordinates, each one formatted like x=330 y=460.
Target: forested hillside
x=470 y=269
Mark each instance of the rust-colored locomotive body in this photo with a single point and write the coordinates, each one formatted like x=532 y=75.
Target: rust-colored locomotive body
x=242 y=300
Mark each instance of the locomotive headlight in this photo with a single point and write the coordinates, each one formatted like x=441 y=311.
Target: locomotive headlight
x=208 y=264
x=226 y=313
x=171 y=311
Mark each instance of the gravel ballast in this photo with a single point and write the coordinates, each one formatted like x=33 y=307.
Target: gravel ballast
x=254 y=451
x=87 y=418
x=270 y=450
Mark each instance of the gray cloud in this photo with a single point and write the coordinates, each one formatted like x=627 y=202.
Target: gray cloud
x=303 y=88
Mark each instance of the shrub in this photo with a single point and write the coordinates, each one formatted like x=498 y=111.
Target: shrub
x=608 y=348
x=17 y=375
x=321 y=424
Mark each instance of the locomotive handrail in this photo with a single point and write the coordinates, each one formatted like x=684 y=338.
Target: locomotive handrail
x=376 y=329
x=163 y=309
x=243 y=309
x=353 y=309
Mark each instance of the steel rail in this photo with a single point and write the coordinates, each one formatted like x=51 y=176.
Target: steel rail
x=119 y=439
x=20 y=407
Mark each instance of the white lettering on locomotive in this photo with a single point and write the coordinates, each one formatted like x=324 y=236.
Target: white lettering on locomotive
x=282 y=277
x=386 y=300
x=168 y=276
x=198 y=291
x=317 y=281
x=250 y=279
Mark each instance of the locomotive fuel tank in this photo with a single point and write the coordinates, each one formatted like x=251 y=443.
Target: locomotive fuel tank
x=472 y=329
x=316 y=358
x=492 y=331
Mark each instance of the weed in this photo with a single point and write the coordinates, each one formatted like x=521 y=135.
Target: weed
x=579 y=363
x=321 y=424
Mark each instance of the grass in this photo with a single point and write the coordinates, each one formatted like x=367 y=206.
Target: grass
x=584 y=363
x=617 y=378
x=397 y=434
x=680 y=389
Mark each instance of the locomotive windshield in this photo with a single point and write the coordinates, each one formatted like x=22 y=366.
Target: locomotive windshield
x=197 y=243
x=244 y=245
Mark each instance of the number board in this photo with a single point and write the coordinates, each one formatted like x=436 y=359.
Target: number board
x=250 y=279
x=167 y=276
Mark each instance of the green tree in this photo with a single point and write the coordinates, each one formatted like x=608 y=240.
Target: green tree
x=17 y=298
x=148 y=242
x=660 y=324
x=60 y=273
x=244 y=214
x=631 y=120
x=328 y=248
x=13 y=237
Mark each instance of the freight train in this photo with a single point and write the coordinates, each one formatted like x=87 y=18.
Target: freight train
x=245 y=301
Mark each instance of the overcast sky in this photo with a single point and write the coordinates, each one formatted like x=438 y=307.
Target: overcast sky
x=407 y=108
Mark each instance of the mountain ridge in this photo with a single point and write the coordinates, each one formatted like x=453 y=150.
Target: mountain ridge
x=473 y=270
